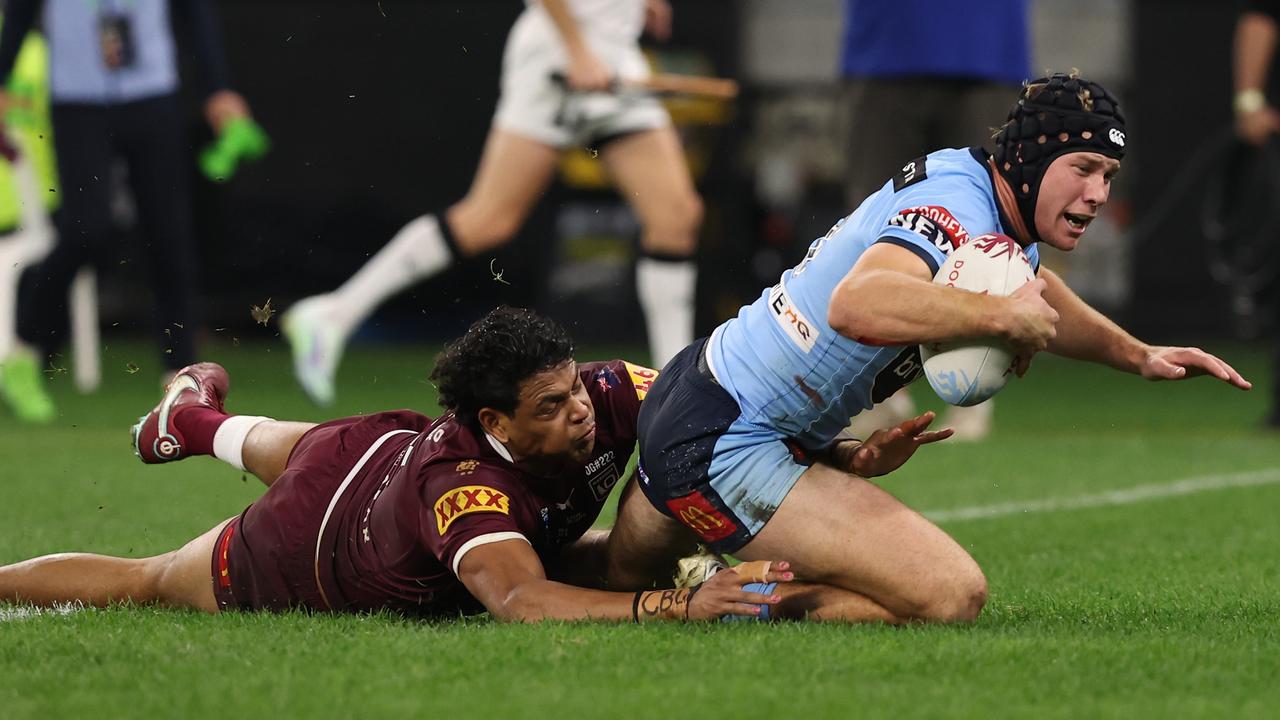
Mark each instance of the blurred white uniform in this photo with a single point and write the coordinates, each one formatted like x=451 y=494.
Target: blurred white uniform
x=533 y=105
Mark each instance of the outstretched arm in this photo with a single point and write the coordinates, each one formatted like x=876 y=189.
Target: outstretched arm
x=508 y=578
x=1086 y=334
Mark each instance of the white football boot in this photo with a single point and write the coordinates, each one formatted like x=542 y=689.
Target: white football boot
x=317 y=344
x=696 y=569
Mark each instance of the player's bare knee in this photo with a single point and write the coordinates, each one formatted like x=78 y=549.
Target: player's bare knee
x=174 y=582
x=683 y=218
x=675 y=230
x=476 y=229
x=146 y=579
x=499 y=229
x=957 y=600
x=689 y=213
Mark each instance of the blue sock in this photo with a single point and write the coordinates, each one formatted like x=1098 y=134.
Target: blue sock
x=763 y=589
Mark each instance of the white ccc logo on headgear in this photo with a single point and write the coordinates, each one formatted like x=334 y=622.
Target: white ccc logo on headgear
x=1116 y=136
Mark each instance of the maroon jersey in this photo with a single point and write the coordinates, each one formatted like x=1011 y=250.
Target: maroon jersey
x=386 y=526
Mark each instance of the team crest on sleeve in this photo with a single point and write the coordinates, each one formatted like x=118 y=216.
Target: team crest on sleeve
x=607 y=379
x=642 y=377
x=469 y=499
x=935 y=224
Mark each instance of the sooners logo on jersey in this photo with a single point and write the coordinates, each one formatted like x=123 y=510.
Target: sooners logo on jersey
x=642 y=377
x=469 y=499
x=696 y=512
x=935 y=224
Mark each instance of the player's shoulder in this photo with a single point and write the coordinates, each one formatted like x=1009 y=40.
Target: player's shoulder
x=948 y=201
x=462 y=478
x=451 y=451
x=950 y=168
x=460 y=486
x=617 y=381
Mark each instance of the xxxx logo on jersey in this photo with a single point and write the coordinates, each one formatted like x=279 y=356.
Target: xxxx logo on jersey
x=642 y=377
x=469 y=499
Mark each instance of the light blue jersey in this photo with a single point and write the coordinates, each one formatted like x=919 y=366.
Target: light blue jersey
x=788 y=370
x=77 y=71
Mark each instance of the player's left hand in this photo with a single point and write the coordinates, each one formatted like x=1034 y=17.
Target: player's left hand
x=1180 y=363
x=657 y=19
x=887 y=450
x=224 y=106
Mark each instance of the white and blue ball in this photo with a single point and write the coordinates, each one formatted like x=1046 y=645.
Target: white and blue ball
x=968 y=372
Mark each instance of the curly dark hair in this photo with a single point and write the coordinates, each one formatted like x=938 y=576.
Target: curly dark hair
x=484 y=367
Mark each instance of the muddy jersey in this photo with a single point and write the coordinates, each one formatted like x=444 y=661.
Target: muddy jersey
x=782 y=362
x=399 y=531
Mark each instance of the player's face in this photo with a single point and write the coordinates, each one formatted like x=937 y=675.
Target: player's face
x=1074 y=188
x=553 y=419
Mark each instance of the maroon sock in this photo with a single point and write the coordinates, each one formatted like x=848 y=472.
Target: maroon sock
x=197 y=424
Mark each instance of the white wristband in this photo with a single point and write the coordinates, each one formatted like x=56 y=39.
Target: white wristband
x=1249 y=100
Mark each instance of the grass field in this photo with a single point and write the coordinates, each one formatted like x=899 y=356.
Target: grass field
x=1159 y=602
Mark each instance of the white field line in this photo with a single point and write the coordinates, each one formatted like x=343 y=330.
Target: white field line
x=1127 y=496
x=27 y=612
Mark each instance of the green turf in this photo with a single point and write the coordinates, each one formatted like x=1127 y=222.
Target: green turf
x=1162 y=608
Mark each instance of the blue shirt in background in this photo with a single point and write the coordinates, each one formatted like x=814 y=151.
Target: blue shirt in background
x=966 y=39
x=78 y=72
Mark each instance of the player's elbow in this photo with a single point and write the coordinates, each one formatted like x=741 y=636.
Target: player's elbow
x=848 y=313
x=518 y=605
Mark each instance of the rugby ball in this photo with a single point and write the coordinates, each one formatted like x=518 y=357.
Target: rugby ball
x=968 y=372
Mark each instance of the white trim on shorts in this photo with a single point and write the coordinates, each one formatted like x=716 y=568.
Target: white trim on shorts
x=338 y=493
x=479 y=540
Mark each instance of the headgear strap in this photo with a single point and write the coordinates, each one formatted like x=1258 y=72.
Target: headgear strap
x=1055 y=115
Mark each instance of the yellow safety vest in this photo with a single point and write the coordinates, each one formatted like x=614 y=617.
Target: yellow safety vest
x=28 y=124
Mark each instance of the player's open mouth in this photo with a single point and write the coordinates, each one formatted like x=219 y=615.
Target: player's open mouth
x=1078 y=222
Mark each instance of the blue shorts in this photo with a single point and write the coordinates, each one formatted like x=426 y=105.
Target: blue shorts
x=701 y=464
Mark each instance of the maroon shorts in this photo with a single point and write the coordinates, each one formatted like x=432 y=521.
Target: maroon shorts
x=265 y=558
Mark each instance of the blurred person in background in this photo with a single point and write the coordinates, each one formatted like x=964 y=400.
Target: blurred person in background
x=594 y=44
x=114 y=91
x=923 y=75
x=1256 y=118
x=28 y=181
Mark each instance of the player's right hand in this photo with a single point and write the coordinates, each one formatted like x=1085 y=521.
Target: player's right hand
x=1258 y=126
x=722 y=593
x=1030 y=322
x=586 y=73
